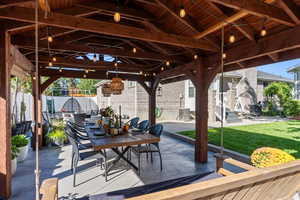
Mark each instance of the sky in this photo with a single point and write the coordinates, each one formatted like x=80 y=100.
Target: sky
x=280 y=68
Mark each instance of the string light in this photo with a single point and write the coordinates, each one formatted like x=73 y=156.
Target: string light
x=87 y=71
x=94 y=58
x=224 y=56
x=195 y=57
x=84 y=75
x=231 y=38
x=60 y=70
x=182 y=12
x=162 y=68
x=167 y=63
x=116 y=64
x=117 y=17
x=50 y=38
x=141 y=72
x=33 y=78
x=50 y=64
x=134 y=50
x=263 y=32
x=54 y=59
x=154 y=74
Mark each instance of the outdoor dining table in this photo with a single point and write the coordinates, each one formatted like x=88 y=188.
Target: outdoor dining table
x=102 y=142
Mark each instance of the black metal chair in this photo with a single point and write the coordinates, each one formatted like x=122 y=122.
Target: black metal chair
x=79 y=129
x=79 y=138
x=155 y=130
x=143 y=125
x=77 y=155
x=133 y=123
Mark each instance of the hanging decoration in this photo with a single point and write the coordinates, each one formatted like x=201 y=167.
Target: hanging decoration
x=106 y=90
x=116 y=85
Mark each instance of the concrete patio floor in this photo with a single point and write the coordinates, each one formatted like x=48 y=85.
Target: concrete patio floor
x=178 y=161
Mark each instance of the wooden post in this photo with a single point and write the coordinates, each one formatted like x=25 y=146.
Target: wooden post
x=5 y=123
x=152 y=106
x=200 y=78
x=37 y=101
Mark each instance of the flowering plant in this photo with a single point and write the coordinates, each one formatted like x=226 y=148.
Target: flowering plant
x=267 y=157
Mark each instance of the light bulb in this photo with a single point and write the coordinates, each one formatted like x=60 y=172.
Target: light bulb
x=50 y=64
x=134 y=50
x=95 y=58
x=116 y=64
x=263 y=32
x=60 y=69
x=231 y=38
x=162 y=68
x=87 y=71
x=33 y=78
x=182 y=12
x=154 y=74
x=224 y=55
x=141 y=72
x=54 y=59
x=84 y=75
x=168 y=63
x=117 y=17
x=195 y=56
x=50 y=39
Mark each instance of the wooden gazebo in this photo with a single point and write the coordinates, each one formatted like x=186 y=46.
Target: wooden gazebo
x=153 y=41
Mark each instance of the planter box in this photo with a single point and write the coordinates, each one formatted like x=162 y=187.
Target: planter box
x=23 y=153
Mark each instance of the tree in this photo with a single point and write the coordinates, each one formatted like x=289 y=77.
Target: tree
x=278 y=89
x=88 y=84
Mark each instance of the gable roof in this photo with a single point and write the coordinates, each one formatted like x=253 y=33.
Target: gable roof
x=272 y=77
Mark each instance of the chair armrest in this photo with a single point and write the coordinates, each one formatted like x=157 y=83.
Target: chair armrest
x=49 y=189
x=239 y=164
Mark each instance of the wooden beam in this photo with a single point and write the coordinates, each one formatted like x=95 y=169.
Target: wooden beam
x=5 y=122
x=91 y=75
x=274 y=56
x=99 y=65
x=101 y=27
x=63 y=47
x=258 y=8
x=248 y=50
x=174 y=79
x=177 y=71
x=219 y=25
x=291 y=9
x=48 y=82
x=20 y=61
x=7 y=3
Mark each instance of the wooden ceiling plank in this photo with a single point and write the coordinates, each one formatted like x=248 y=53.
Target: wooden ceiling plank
x=258 y=8
x=63 y=47
x=101 y=27
x=7 y=3
x=279 y=42
x=222 y=23
x=291 y=9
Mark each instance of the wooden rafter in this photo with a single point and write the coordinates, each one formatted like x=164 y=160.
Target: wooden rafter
x=60 y=47
x=291 y=9
x=101 y=27
x=258 y=8
x=7 y=3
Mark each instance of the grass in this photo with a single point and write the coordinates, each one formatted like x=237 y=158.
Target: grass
x=245 y=139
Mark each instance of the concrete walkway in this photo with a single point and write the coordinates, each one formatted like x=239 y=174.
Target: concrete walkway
x=178 y=161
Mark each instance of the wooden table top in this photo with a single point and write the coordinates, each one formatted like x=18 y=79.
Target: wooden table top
x=128 y=139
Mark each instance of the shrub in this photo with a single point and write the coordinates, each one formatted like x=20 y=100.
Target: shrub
x=291 y=108
x=19 y=140
x=267 y=157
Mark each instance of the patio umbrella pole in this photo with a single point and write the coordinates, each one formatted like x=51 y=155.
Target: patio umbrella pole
x=36 y=85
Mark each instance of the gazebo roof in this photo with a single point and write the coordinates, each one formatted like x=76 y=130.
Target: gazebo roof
x=157 y=32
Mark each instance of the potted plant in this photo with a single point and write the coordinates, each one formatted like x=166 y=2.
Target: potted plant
x=107 y=113
x=57 y=137
x=14 y=155
x=22 y=143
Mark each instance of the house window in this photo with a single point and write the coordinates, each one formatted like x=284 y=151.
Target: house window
x=159 y=91
x=191 y=91
x=131 y=84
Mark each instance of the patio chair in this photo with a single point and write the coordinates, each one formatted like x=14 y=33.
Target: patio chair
x=155 y=130
x=133 y=123
x=77 y=155
x=143 y=125
x=79 y=129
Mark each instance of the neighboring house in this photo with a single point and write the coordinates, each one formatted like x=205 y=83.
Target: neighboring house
x=296 y=71
x=241 y=88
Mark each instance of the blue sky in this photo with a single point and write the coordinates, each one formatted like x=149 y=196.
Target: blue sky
x=280 y=68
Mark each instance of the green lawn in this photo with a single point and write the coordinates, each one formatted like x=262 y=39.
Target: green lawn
x=245 y=139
